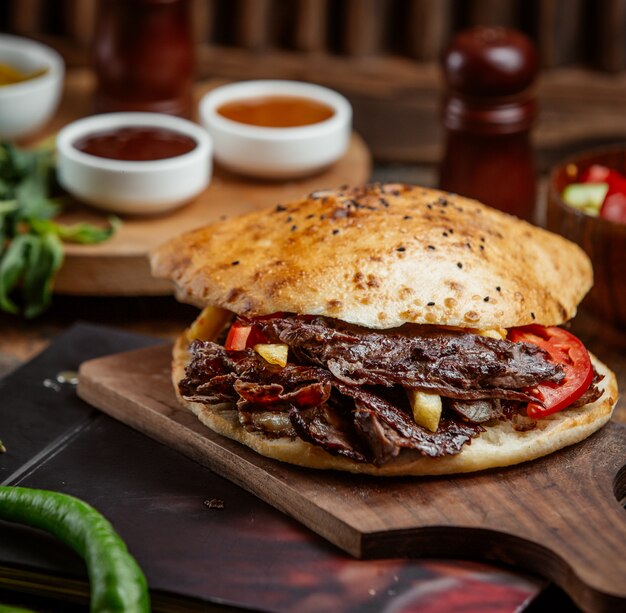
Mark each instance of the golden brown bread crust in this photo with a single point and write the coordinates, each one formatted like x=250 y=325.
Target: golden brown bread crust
x=381 y=256
x=499 y=446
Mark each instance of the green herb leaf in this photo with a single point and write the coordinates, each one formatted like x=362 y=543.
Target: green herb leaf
x=8 y=206
x=31 y=250
x=43 y=260
x=86 y=233
x=12 y=266
x=33 y=203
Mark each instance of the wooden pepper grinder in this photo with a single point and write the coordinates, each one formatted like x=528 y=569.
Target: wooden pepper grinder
x=488 y=112
x=144 y=56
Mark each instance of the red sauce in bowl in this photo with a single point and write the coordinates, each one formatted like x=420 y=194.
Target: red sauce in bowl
x=136 y=144
x=276 y=111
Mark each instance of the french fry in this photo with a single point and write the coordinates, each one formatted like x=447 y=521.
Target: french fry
x=426 y=409
x=273 y=353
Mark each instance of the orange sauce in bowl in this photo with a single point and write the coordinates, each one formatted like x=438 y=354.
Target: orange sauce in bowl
x=276 y=111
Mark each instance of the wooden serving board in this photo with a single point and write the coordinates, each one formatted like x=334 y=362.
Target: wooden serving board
x=119 y=266
x=558 y=517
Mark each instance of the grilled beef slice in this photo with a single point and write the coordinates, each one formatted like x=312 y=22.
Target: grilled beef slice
x=451 y=364
x=338 y=391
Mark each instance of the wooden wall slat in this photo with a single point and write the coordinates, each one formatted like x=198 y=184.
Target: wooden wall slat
x=25 y=16
x=493 y=12
x=364 y=27
x=428 y=28
x=610 y=34
x=253 y=23
x=310 y=27
x=80 y=18
x=202 y=15
x=561 y=27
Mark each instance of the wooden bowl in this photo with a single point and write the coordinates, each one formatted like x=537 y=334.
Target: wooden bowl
x=603 y=241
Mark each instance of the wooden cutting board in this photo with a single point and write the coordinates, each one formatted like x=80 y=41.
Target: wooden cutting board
x=558 y=517
x=119 y=266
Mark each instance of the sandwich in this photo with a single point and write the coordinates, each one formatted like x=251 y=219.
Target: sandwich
x=388 y=330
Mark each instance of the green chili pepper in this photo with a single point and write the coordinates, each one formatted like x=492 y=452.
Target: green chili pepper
x=9 y=609
x=117 y=582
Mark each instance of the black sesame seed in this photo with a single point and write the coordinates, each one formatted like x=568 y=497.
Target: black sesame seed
x=429 y=206
x=407 y=217
x=482 y=239
x=430 y=304
x=445 y=234
x=294 y=227
x=498 y=289
x=280 y=208
x=468 y=245
x=289 y=219
x=400 y=248
x=486 y=298
x=335 y=231
x=431 y=247
x=322 y=217
x=451 y=230
x=482 y=247
x=310 y=216
x=235 y=263
x=532 y=315
x=459 y=264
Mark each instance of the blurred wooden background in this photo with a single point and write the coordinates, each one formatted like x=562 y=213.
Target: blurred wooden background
x=383 y=54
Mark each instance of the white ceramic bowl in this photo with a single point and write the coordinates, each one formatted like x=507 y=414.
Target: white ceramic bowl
x=133 y=187
x=276 y=153
x=27 y=106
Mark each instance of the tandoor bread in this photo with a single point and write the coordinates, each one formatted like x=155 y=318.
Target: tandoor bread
x=379 y=264
x=379 y=257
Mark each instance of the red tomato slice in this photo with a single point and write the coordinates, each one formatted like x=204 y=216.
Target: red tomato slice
x=237 y=337
x=564 y=349
x=243 y=335
x=596 y=173
x=614 y=204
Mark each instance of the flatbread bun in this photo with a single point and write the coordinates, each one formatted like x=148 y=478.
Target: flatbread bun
x=381 y=256
x=500 y=445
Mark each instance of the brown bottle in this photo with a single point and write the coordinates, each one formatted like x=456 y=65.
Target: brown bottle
x=488 y=112
x=144 y=56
